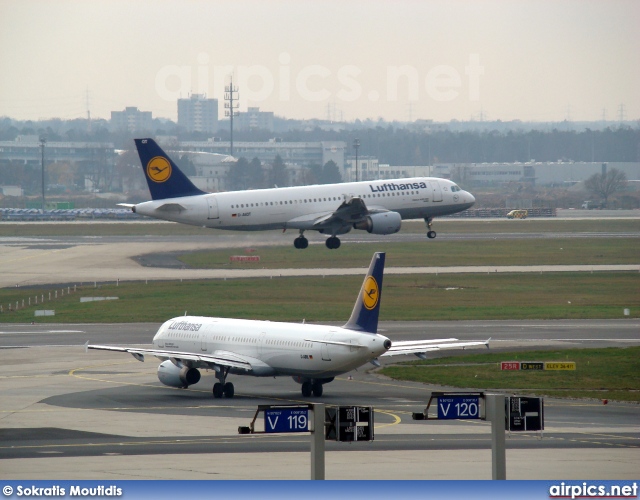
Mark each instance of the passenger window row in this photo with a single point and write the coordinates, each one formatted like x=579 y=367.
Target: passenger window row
x=315 y=200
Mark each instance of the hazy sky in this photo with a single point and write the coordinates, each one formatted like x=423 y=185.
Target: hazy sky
x=445 y=59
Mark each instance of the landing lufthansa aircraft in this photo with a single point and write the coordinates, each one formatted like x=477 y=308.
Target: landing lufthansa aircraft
x=377 y=207
x=312 y=354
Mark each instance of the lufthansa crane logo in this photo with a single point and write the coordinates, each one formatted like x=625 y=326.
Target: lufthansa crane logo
x=159 y=169
x=370 y=293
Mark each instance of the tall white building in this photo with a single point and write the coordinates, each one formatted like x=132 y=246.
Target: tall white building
x=131 y=119
x=253 y=119
x=198 y=114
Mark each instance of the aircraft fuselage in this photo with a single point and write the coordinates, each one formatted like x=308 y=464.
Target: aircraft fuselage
x=278 y=208
x=274 y=348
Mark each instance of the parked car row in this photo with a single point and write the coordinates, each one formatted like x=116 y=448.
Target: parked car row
x=34 y=214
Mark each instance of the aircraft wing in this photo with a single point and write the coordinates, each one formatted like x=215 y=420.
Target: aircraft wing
x=419 y=347
x=349 y=212
x=220 y=358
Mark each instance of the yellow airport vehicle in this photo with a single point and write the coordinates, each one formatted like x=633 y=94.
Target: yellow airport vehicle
x=517 y=214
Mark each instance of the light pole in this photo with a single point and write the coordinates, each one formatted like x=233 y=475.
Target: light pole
x=356 y=145
x=42 y=143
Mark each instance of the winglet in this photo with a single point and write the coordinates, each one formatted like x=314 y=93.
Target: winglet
x=164 y=178
x=364 y=317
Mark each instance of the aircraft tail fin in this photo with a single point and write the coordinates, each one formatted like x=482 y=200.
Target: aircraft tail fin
x=364 y=317
x=164 y=178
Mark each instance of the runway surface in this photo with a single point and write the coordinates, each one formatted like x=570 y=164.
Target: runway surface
x=68 y=260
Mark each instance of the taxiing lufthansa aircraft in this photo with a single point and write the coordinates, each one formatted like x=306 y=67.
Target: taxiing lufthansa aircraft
x=312 y=354
x=377 y=207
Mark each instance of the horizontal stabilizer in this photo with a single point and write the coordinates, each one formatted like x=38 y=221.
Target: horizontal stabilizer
x=423 y=346
x=333 y=342
x=171 y=207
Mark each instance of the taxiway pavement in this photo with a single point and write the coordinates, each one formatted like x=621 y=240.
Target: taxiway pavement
x=67 y=414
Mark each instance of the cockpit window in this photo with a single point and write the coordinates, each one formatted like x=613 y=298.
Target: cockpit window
x=455 y=188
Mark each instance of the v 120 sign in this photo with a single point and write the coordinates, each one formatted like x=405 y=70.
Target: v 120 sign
x=458 y=407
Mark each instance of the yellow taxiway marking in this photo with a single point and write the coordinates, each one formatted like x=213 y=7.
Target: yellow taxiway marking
x=27 y=257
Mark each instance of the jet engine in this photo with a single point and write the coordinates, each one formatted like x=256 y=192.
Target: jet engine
x=176 y=376
x=383 y=223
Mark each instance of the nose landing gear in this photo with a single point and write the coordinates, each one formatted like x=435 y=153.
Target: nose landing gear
x=430 y=232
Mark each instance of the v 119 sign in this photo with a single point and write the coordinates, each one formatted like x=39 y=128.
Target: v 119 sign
x=458 y=407
x=286 y=420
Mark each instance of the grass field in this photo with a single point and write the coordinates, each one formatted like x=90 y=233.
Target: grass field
x=405 y=297
x=418 y=297
x=612 y=373
x=483 y=252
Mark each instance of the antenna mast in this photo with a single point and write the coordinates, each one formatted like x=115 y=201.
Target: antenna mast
x=88 y=112
x=231 y=106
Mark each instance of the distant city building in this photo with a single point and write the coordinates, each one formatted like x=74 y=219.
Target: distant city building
x=11 y=191
x=253 y=119
x=370 y=169
x=483 y=174
x=293 y=153
x=211 y=170
x=563 y=172
x=95 y=159
x=26 y=150
x=131 y=119
x=535 y=173
x=198 y=114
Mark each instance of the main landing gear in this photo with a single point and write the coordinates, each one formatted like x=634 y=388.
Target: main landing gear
x=301 y=242
x=311 y=387
x=333 y=242
x=430 y=233
x=221 y=388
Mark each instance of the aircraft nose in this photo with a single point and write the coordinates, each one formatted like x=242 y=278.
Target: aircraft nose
x=471 y=199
